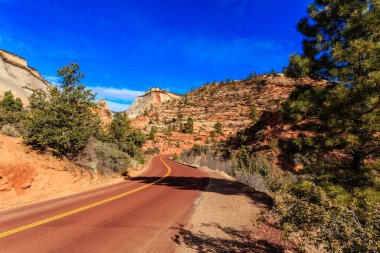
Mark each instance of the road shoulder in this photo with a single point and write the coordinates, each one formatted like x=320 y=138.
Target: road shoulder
x=226 y=219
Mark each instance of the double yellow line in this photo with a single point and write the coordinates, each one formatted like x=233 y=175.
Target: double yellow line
x=81 y=209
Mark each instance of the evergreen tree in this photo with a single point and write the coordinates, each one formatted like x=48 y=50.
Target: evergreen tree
x=9 y=102
x=152 y=133
x=65 y=121
x=11 y=109
x=189 y=126
x=218 y=128
x=341 y=44
x=253 y=114
x=129 y=140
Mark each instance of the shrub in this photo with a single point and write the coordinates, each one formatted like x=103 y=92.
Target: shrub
x=218 y=128
x=104 y=157
x=152 y=151
x=10 y=130
x=339 y=228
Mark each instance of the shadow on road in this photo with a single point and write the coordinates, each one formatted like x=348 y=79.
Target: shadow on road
x=234 y=241
x=221 y=186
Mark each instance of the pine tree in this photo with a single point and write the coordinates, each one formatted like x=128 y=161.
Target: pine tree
x=152 y=133
x=218 y=128
x=9 y=102
x=189 y=126
x=253 y=114
x=129 y=140
x=11 y=109
x=341 y=44
x=65 y=121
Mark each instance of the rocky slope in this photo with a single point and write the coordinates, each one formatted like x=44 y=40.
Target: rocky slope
x=18 y=77
x=229 y=103
x=151 y=99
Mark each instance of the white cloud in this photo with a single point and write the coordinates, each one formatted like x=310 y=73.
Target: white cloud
x=120 y=95
x=117 y=99
x=54 y=80
x=117 y=107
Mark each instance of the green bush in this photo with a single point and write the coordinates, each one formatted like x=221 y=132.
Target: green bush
x=128 y=139
x=63 y=121
x=11 y=111
x=152 y=151
x=104 y=157
x=338 y=227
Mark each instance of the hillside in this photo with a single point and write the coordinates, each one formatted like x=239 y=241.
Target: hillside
x=27 y=175
x=18 y=77
x=229 y=103
x=151 y=99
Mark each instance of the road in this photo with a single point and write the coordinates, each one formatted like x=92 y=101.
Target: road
x=138 y=215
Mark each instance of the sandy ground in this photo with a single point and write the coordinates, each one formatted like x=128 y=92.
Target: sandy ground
x=226 y=219
x=28 y=176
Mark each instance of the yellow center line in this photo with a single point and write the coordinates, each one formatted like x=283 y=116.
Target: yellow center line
x=38 y=223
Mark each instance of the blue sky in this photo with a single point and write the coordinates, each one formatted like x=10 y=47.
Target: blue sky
x=127 y=47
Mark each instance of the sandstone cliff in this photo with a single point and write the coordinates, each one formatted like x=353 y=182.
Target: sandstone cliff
x=18 y=77
x=150 y=100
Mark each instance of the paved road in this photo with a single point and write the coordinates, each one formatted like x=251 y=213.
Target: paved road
x=138 y=215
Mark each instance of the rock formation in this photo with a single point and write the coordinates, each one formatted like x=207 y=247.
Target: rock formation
x=150 y=100
x=18 y=77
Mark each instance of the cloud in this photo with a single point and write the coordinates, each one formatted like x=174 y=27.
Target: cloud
x=54 y=80
x=117 y=107
x=118 y=99
x=116 y=94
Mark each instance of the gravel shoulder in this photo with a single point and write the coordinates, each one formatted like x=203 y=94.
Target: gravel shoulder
x=226 y=219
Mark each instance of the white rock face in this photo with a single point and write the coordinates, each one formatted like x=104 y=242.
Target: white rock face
x=151 y=98
x=17 y=77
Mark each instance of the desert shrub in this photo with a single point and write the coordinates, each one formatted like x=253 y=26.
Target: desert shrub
x=152 y=151
x=104 y=157
x=339 y=228
x=255 y=165
x=197 y=150
x=175 y=157
x=10 y=130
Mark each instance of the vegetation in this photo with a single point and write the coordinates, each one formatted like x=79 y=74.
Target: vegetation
x=339 y=202
x=218 y=128
x=104 y=157
x=253 y=115
x=333 y=201
x=152 y=133
x=65 y=121
x=12 y=114
x=189 y=126
x=128 y=139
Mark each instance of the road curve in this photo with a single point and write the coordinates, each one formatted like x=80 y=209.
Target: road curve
x=138 y=215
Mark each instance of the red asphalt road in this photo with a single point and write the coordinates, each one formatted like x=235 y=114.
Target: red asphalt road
x=143 y=221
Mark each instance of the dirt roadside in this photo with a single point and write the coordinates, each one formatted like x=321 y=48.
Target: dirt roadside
x=28 y=176
x=226 y=219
